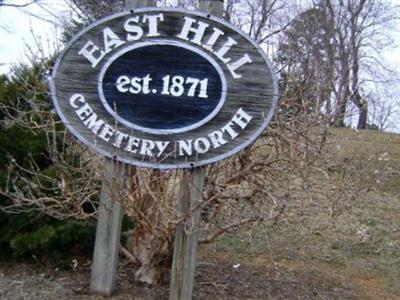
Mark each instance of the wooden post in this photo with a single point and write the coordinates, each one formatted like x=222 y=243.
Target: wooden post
x=108 y=231
x=132 y=4
x=186 y=236
x=213 y=7
x=191 y=193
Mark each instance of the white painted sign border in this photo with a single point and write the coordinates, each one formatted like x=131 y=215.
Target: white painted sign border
x=159 y=164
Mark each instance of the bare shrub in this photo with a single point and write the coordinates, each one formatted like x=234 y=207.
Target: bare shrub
x=282 y=169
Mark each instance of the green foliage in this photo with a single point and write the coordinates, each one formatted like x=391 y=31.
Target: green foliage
x=372 y=126
x=29 y=235
x=21 y=144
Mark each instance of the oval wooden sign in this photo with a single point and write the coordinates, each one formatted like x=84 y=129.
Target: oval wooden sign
x=164 y=88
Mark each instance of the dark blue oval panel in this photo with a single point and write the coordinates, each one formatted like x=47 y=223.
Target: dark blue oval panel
x=154 y=88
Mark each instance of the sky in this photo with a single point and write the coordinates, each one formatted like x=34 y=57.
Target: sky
x=45 y=18
x=18 y=24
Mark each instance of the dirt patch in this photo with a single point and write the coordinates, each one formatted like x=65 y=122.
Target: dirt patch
x=227 y=281
x=215 y=279
x=375 y=288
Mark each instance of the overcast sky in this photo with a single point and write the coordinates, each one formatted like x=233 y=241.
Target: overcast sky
x=18 y=24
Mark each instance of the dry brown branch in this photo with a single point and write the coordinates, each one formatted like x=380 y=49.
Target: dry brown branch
x=9 y=4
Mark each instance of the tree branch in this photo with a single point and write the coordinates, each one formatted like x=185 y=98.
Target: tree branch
x=2 y=3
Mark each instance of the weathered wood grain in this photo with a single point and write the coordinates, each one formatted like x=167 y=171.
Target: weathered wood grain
x=255 y=91
x=108 y=233
x=186 y=236
x=133 y=4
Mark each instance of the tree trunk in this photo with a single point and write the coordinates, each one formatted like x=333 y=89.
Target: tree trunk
x=340 y=115
x=362 y=118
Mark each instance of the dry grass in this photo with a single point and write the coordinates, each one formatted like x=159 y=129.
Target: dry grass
x=361 y=243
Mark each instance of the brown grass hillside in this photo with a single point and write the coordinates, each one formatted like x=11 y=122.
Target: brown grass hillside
x=359 y=246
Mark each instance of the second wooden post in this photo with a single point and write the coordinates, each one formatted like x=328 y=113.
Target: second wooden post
x=191 y=193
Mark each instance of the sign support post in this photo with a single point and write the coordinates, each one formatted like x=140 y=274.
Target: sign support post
x=108 y=233
x=161 y=88
x=191 y=193
x=186 y=236
x=108 y=230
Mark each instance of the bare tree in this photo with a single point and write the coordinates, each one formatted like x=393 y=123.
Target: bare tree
x=261 y=19
x=95 y=9
x=10 y=4
x=384 y=108
x=332 y=50
x=306 y=57
x=361 y=28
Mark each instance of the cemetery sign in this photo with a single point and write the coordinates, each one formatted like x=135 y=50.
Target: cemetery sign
x=164 y=88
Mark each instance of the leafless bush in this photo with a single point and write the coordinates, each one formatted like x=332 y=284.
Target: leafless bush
x=68 y=188
x=282 y=169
